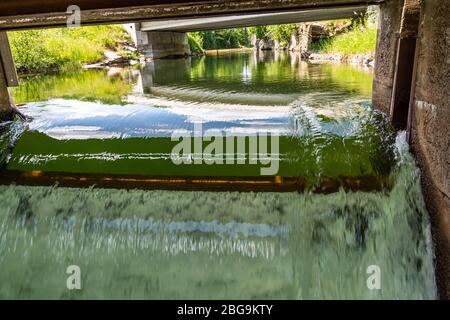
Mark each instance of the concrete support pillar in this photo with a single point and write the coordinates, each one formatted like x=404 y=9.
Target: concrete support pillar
x=132 y=29
x=404 y=64
x=6 y=104
x=304 y=37
x=386 y=53
x=430 y=127
x=162 y=44
x=7 y=77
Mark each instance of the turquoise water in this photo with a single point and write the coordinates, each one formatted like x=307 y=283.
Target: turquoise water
x=131 y=243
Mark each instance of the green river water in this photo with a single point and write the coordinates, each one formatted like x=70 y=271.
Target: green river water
x=132 y=243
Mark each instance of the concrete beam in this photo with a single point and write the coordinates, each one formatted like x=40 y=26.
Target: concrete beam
x=32 y=14
x=214 y=23
x=430 y=127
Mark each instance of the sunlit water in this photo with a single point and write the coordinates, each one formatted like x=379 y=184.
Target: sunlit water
x=173 y=244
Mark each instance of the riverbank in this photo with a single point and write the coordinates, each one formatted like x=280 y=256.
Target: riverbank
x=348 y=40
x=62 y=49
x=360 y=59
x=356 y=46
x=341 y=41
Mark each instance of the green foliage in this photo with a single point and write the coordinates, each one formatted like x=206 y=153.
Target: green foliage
x=56 y=49
x=195 y=41
x=360 y=40
x=129 y=55
x=261 y=32
x=239 y=37
x=221 y=39
x=282 y=32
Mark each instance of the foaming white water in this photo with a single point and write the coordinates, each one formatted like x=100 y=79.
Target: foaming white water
x=225 y=245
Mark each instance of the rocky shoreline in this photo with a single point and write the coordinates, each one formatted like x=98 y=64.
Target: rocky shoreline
x=361 y=59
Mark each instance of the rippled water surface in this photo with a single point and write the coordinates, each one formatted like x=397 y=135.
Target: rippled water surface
x=133 y=243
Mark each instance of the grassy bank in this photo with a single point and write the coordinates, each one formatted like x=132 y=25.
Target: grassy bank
x=361 y=40
x=63 y=49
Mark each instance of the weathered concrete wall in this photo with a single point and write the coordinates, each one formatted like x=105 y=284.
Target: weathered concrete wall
x=263 y=44
x=386 y=52
x=162 y=44
x=301 y=40
x=430 y=126
x=404 y=64
x=6 y=103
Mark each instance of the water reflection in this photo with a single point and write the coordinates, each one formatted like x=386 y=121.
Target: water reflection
x=321 y=113
x=267 y=78
x=107 y=86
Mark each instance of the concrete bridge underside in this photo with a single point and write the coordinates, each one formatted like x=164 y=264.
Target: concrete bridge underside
x=214 y=23
x=411 y=78
x=33 y=14
x=167 y=38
